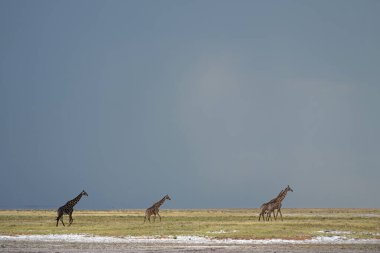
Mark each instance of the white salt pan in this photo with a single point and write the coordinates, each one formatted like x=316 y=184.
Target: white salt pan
x=83 y=238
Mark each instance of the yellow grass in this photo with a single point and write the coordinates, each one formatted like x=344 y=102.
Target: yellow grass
x=216 y=223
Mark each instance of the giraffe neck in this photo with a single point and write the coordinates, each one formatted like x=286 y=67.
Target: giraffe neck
x=281 y=192
x=282 y=196
x=159 y=203
x=74 y=201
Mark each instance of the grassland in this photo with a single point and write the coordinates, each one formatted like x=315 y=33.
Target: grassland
x=219 y=223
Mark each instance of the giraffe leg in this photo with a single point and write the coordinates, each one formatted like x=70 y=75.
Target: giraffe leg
x=265 y=215
x=58 y=220
x=159 y=216
x=275 y=215
x=70 y=219
x=269 y=216
x=62 y=220
x=59 y=215
x=262 y=214
x=154 y=218
x=279 y=210
x=147 y=216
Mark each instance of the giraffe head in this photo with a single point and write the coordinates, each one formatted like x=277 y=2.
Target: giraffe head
x=167 y=197
x=288 y=189
x=84 y=193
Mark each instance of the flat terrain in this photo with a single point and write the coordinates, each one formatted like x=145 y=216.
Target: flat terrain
x=351 y=225
x=222 y=223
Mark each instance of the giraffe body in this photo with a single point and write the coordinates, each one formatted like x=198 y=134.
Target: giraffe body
x=68 y=208
x=155 y=209
x=266 y=206
x=277 y=204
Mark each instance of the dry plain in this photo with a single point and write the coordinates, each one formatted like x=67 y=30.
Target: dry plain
x=205 y=230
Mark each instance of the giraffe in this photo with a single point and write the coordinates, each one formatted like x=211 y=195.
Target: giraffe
x=265 y=207
x=278 y=203
x=154 y=209
x=68 y=208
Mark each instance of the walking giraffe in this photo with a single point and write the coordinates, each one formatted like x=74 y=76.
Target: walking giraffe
x=265 y=207
x=278 y=203
x=155 y=209
x=68 y=208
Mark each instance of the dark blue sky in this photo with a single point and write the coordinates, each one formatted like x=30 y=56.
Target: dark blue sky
x=216 y=103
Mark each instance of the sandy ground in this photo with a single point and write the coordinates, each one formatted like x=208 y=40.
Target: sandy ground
x=38 y=246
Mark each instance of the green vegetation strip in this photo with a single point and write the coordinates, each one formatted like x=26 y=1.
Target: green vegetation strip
x=218 y=223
